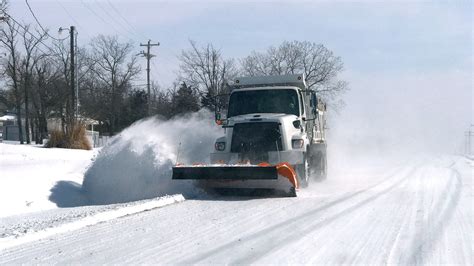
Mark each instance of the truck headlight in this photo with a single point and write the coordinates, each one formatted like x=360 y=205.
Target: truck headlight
x=220 y=146
x=297 y=143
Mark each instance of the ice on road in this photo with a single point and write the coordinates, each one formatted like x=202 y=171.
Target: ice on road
x=415 y=212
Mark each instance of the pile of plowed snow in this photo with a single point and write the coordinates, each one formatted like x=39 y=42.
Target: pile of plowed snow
x=137 y=163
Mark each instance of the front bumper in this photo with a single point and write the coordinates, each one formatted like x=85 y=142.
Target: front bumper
x=292 y=157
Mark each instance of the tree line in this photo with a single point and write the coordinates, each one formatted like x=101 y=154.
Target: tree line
x=35 y=73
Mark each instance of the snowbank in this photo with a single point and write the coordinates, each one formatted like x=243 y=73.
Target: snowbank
x=135 y=165
x=29 y=173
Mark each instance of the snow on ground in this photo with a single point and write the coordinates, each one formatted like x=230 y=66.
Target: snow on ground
x=35 y=179
x=44 y=188
x=41 y=194
x=136 y=165
x=14 y=231
x=415 y=210
x=388 y=208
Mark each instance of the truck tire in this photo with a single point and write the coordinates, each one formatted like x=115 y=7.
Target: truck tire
x=318 y=161
x=303 y=172
x=323 y=173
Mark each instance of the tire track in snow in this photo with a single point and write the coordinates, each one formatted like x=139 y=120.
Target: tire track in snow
x=437 y=220
x=168 y=247
x=290 y=225
x=96 y=241
x=379 y=228
x=404 y=230
x=156 y=237
x=418 y=234
x=99 y=236
x=235 y=225
x=100 y=217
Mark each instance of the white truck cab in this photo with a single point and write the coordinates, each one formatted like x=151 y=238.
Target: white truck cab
x=273 y=119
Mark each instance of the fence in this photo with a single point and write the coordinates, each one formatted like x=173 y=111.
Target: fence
x=10 y=132
x=96 y=140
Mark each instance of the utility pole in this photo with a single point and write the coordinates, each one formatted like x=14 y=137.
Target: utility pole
x=77 y=77
x=73 y=80
x=72 y=103
x=148 y=56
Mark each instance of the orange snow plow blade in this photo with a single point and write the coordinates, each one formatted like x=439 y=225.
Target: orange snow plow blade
x=286 y=170
x=262 y=176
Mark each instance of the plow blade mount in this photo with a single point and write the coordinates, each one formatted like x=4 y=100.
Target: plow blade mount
x=280 y=177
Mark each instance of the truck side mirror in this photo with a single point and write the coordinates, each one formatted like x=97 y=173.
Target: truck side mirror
x=314 y=104
x=314 y=100
x=218 y=118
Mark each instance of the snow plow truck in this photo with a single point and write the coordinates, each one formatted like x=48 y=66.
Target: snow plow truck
x=274 y=138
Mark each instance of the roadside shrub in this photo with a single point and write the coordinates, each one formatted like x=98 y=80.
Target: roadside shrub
x=74 y=139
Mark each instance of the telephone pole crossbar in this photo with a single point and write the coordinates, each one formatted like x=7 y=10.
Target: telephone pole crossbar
x=148 y=56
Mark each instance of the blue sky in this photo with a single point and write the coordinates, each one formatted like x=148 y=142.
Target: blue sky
x=370 y=36
x=414 y=57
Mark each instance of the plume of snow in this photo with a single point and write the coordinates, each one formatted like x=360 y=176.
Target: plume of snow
x=137 y=163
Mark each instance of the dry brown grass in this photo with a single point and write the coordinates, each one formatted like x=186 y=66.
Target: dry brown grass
x=75 y=139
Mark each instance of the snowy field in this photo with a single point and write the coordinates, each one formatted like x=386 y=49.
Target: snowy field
x=413 y=210
x=30 y=176
x=41 y=190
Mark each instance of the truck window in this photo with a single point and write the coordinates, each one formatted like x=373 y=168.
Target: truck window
x=302 y=103
x=264 y=101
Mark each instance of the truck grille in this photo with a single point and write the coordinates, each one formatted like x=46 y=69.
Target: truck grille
x=253 y=141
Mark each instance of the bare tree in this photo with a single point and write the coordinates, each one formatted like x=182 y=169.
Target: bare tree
x=28 y=62
x=320 y=66
x=114 y=67
x=47 y=94
x=84 y=63
x=3 y=9
x=8 y=40
x=62 y=57
x=206 y=69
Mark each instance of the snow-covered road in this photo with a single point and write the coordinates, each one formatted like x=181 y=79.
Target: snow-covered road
x=415 y=212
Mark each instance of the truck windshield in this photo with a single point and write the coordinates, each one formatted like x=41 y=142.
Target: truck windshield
x=264 y=101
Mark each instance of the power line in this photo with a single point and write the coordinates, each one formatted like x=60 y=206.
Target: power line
x=41 y=26
x=73 y=19
x=114 y=20
x=148 y=57
x=32 y=35
x=37 y=47
x=16 y=30
x=135 y=31
x=97 y=15
x=125 y=20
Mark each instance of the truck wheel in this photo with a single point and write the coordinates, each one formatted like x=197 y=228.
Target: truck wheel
x=324 y=166
x=317 y=161
x=320 y=164
x=303 y=172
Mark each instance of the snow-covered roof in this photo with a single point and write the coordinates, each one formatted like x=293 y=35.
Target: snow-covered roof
x=7 y=118
x=88 y=121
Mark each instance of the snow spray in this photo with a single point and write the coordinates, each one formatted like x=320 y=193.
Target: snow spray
x=136 y=164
